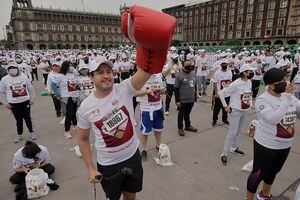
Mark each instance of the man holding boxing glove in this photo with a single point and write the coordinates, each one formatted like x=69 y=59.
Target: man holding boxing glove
x=109 y=110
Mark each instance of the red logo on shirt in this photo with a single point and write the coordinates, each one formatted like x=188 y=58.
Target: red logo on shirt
x=225 y=83
x=18 y=90
x=72 y=86
x=116 y=129
x=245 y=100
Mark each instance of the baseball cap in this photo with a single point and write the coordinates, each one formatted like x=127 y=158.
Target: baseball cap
x=82 y=66
x=246 y=67
x=97 y=62
x=224 y=61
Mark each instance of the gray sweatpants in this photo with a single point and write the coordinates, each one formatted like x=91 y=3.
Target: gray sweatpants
x=202 y=80
x=236 y=120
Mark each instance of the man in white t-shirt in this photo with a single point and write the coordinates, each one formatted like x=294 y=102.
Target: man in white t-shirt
x=296 y=64
x=201 y=70
x=108 y=112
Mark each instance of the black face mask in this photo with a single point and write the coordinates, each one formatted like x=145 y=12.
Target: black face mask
x=86 y=61
x=175 y=61
x=250 y=76
x=280 y=87
x=188 y=68
x=224 y=67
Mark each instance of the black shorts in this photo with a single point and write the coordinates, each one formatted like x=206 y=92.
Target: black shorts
x=113 y=185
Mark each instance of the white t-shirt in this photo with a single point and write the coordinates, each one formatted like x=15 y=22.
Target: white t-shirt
x=67 y=85
x=202 y=66
x=276 y=132
x=240 y=93
x=17 y=89
x=116 y=69
x=112 y=120
x=258 y=75
x=124 y=66
x=51 y=76
x=191 y=57
x=238 y=63
x=297 y=58
x=152 y=102
x=45 y=67
x=20 y=161
x=223 y=79
x=170 y=78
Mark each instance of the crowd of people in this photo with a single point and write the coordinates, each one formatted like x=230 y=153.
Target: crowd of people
x=99 y=90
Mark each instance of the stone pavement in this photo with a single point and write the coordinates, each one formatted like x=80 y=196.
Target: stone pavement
x=196 y=175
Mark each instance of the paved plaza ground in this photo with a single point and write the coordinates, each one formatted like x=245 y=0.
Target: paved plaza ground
x=196 y=175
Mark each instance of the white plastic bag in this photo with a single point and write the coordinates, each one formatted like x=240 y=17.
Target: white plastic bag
x=36 y=184
x=164 y=156
x=248 y=167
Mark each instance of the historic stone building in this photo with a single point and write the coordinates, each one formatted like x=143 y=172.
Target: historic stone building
x=39 y=28
x=251 y=22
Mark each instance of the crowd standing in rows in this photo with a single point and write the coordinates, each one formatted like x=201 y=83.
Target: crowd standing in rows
x=84 y=79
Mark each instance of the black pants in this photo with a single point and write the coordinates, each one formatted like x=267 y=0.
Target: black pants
x=56 y=103
x=255 y=87
x=115 y=182
x=135 y=103
x=266 y=164
x=217 y=107
x=45 y=78
x=294 y=72
x=184 y=113
x=70 y=114
x=34 y=72
x=19 y=177
x=170 y=92
x=22 y=111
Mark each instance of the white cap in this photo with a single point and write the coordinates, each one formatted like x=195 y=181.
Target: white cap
x=298 y=48
x=246 y=67
x=112 y=57
x=44 y=59
x=56 y=63
x=201 y=51
x=12 y=64
x=82 y=66
x=124 y=56
x=172 y=48
x=174 y=56
x=228 y=50
x=97 y=62
x=224 y=61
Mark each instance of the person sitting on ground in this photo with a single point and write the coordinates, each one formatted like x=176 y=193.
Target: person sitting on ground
x=29 y=157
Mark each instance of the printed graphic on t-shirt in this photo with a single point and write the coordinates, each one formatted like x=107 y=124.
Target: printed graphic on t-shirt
x=286 y=128
x=203 y=68
x=257 y=72
x=155 y=96
x=87 y=85
x=72 y=86
x=192 y=84
x=245 y=100
x=116 y=128
x=18 y=90
x=225 y=83
x=173 y=75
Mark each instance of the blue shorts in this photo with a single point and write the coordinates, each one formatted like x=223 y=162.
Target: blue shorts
x=150 y=123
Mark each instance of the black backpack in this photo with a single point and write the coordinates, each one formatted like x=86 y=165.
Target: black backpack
x=3 y=72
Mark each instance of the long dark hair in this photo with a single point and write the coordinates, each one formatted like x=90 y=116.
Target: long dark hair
x=65 y=67
x=30 y=150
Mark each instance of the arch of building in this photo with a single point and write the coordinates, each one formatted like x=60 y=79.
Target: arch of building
x=256 y=43
x=29 y=46
x=292 y=41
x=278 y=42
x=214 y=44
x=207 y=44
x=42 y=46
x=247 y=43
x=267 y=42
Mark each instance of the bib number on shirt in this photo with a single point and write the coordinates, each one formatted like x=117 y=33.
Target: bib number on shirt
x=203 y=68
x=115 y=121
x=286 y=129
x=87 y=85
x=72 y=86
x=257 y=72
x=225 y=83
x=18 y=90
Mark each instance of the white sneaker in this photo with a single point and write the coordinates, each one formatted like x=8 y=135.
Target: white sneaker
x=33 y=136
x=18 y=139
x=167 y=113
x=62 y=122
x=68 y=135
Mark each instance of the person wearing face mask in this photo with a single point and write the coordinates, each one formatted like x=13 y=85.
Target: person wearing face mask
x=45 y=67
x=86 y=85
x=25 y=68
x=53 y=75
x=240 y=93
x=65 y=86
x=185 y=88
x=202 y=71
x=258 y=74
x=222 y=78
x=277 y=112
x=170 y=71
x=19 y=96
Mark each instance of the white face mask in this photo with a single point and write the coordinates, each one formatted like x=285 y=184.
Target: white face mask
x=13 y=71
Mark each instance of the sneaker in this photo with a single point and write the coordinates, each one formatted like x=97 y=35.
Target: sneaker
x=33 y=136
x=260 y=196
x=190 y=128
x=225 y=122
x=204 y=94
x=67 y=135
x=236 y=151
x=214 y=123
x=167 y=113
x=199 y=94
x=223 y=159
x=62 y=122
x=181 y=132
x=18 y=139
x=144 y=155
x=75 y=128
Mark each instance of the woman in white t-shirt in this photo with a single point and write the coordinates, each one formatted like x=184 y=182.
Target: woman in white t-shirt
x=240 y=95
x=65 y=86
x=276 y=109
x=85 y=83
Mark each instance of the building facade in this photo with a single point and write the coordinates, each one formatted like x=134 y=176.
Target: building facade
x=39 y=28
x=248 y=22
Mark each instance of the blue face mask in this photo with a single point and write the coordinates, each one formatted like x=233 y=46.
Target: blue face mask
x=71 y=70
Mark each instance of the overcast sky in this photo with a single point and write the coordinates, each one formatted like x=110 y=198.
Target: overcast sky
x=109 y=6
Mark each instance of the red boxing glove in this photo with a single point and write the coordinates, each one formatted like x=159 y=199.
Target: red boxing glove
x=153 y=32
